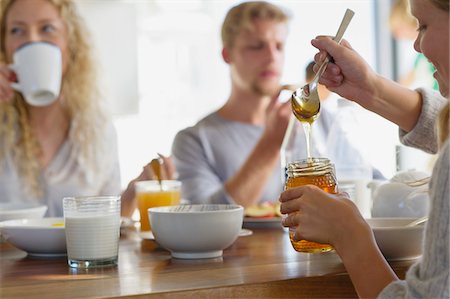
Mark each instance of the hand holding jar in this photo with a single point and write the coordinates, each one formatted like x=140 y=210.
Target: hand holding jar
x=318 y=216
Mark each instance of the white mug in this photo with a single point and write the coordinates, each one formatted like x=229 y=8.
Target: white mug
x=38 y=67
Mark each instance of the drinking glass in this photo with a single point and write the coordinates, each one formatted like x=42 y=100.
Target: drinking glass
x=152 y=194
x=92 y=230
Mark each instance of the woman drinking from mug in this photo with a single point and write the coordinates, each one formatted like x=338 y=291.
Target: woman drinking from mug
x=66 y=147
x=334 y=219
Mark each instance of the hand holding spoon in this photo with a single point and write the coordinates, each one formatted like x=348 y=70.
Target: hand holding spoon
x=305 y=101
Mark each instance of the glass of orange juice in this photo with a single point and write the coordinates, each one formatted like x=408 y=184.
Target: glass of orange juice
x=151 y=194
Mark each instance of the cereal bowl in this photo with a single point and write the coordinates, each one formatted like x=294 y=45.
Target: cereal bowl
x=38 y=237
x=196 y=231
x=12 y=210
x=395 y=240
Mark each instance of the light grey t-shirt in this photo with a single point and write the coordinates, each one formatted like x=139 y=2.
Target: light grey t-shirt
x=66 y=176
x=429 y=277
x=209 y=153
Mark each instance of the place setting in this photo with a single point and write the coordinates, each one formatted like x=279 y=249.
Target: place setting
x=187 y=231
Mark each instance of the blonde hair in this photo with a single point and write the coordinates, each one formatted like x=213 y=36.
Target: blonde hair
x=241 y=16
x=401 y=14
x=443 y=123
x=79 y=96
x=441 y=4
x=444 y=117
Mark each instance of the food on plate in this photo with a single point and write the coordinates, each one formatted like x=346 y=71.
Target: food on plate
x=263 y=210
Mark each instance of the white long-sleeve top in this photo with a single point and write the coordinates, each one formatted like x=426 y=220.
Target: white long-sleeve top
x=66 y=176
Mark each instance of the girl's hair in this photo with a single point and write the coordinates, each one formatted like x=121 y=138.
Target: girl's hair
x=443 y=124
x=401 y=14
x=240 y=17
x=442 y=4
x=79 y=97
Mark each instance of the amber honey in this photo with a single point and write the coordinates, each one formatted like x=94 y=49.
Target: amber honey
x=304 y=110
x=315 y=171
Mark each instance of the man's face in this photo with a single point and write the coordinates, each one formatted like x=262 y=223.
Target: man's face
x=257 y=56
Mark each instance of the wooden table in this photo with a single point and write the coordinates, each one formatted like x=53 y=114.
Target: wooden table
x=262 y=265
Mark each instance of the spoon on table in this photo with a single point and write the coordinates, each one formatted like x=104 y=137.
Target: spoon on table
x=305 y=101
x=417 y=221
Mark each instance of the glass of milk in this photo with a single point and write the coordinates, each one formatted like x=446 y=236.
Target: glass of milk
x=92 y=230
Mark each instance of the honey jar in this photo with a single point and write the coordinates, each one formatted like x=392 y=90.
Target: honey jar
x=312 y=171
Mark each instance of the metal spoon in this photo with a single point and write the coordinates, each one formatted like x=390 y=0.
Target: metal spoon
x=305 y=101
x=417 y=221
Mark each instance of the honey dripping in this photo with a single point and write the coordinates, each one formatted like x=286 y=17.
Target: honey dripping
x=306 y=112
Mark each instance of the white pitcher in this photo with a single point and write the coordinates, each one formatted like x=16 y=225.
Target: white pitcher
x=405 y=195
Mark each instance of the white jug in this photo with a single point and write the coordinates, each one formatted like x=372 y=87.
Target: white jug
x=403 y=196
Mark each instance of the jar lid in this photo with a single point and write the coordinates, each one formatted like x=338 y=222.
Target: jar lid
x=310 y=166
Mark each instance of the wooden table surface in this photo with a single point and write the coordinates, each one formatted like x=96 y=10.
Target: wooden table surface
x=262 y=265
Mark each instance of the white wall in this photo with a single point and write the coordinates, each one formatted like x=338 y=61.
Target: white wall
x=112 y=25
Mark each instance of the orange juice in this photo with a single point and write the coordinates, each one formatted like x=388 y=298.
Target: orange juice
x=313 y=171
x=151 y=194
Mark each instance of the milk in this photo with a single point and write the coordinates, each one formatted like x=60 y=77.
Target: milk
x=92 y=237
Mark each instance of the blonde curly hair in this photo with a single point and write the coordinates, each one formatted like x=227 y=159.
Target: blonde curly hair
x=79 y=96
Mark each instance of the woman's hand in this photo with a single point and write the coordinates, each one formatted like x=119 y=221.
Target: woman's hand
x=6 y=77
x=348 y=74
x=319 y=216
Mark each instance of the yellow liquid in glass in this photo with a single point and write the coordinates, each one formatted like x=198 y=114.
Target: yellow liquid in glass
x=148 y=200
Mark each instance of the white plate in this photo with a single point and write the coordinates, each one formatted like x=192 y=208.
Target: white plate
x=38 y=237
x=269 y=222
x=149 y=235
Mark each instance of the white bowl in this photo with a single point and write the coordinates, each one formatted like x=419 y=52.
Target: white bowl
x=12 y=210
x=38 y=237
x=196 y=231
x=396 y=241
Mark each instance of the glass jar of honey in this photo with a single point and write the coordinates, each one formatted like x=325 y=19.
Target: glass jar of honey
x=311 y=171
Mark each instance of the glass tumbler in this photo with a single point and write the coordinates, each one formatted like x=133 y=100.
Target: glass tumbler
x=150 y=194
x=92 y=227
